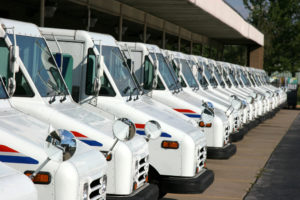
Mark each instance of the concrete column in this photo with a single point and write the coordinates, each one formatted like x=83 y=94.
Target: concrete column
x=42 y=13
x=164 y=36
x=145 y=29
x=121 y=22
x=191 y=47
x=88 y=18
x=179 y=39
x=201 y=49
x=256 y=58
x=220 y=52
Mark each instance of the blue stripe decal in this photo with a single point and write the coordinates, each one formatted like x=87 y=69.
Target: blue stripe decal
x=193 y=115
x=18 y=159
x=92 y=143
x=140 y=132
x=163 y=134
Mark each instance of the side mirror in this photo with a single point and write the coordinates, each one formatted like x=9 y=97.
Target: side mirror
x=14 y=54
x=152 y=130
x=11 y=86
x=60 y=141
x=155 y=79
x=124 y=129
x=60 y=145
x=99 y=74
x=179 y=78
x=180 y=67
x=129 y=63
x=235 y=102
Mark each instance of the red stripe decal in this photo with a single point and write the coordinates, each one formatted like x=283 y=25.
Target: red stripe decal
x=184 y=110
x=142 y=126
x=76 y=134
x=7 y=149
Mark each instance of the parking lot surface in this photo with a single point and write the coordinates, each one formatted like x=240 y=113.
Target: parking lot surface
x=280 y=178
x=235 y=176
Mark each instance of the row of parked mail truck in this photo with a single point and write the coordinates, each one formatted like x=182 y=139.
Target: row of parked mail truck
x=86 y=117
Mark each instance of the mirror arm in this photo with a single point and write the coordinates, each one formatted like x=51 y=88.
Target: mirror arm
x=112 y=147
x=39 y=168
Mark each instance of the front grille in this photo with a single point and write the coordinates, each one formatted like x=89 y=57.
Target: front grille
x=226 y=138
x=236 y=123
x=97 y=189
x=201 y=157
x=142 y=169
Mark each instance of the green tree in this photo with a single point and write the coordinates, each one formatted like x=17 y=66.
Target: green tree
x=279 y=21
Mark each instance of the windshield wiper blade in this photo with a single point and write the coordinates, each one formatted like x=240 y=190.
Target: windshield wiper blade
x=126 y=90
x=131 y=93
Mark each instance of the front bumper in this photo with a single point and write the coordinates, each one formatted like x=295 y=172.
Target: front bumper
x=148 y=192
x=237 y=136
x=221 y=153
x=186 y=185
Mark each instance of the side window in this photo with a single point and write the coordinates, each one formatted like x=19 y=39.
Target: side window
x=160 y=85
x=106 y=87
x=22 y=87
x=182 y=82
x=4 y=62
x=148 y=74
x=90 y=72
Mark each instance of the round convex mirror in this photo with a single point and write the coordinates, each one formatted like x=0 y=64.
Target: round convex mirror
x=152 y=129
x=207 y=116
x=123 y=129
x=253 y=95
x=68 y=142
x=60 y=142
x=249 y=99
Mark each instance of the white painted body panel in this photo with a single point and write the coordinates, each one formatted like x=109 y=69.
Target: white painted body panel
x=15 y=186
x=28 y=139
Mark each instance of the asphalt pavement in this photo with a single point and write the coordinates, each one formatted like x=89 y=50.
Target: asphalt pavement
x=280 y=178
x=235 y=177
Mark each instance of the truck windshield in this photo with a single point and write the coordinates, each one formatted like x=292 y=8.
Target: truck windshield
x=244 y=79
x=233 y=79
x=119 y=71
x=188 y=74
x=252 y=79
x=202 y=80
x=165 y=71
x=225 y=76
x=219 y=78
x=256 y=79
x=40 y=65
x=249 y=78
x=209 y=76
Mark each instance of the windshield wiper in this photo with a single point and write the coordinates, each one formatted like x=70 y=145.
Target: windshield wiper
x=131 y=92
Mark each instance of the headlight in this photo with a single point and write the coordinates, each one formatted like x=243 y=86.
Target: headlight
x=236 y=104
x=249 y=99
x=104 y=185
x=136 y=164
x=207 y=116
x=85 y=192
